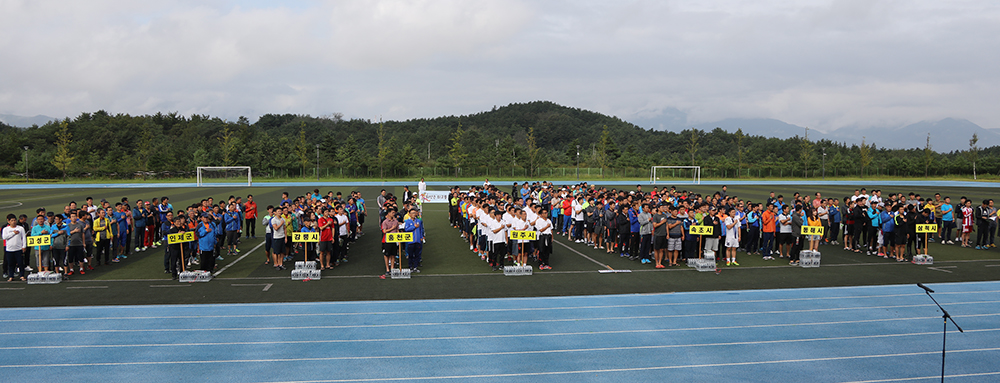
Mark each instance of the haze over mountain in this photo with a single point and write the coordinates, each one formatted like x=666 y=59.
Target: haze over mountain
x=948 y=134
x=25 y=122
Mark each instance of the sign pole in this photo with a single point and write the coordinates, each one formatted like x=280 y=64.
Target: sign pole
x=183 y=269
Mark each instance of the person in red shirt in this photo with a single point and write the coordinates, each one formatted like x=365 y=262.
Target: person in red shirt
x=250 y=215
x=389 y=249
x=327 y=224
x=767 y=230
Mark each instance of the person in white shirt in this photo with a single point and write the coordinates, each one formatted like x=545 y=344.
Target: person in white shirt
x=498 y=227
x=278 y=224
x=732 y=223
x=15 y=244
x=785 y=237
x=544 y=227
x=421 y=188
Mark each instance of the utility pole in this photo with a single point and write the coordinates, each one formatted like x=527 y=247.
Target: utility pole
x=824 y=163
x=317 y=162
x=25 y=163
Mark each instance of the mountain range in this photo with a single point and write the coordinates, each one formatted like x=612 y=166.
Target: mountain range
x=25 y=122
x=947 y=135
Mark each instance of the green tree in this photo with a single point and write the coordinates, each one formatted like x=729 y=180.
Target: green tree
x=740 y=151
x=602 y=149
x=457 y=151
x=692 y=145
x=532 y=152
x=973 y=153
x=302 y=149
x=144 y=148
x=228 y=139
x=806 y=153
x=64 y=157
x=865 y=155
x=383 y=150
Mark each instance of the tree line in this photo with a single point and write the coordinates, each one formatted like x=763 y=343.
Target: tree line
x=525 y=135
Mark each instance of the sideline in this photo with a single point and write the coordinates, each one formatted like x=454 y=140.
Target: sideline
x=854 y=183
x=226 y=267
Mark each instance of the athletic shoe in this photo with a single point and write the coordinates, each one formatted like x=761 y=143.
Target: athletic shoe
x=951 y=242
x=89 y=267
x=728 y=263
x=237 y=250
x=137 y=250
x=381 y=276
x=219 y=258
x=68 y=273
x=82 y=272
x=116 y=260
x=978 y=248
x=660 y=267
x=735 y=263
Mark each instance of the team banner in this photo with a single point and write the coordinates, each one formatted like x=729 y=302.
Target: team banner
x=399 y=237
x=435 y=196
x=39 y=240
x=305 y=237
x=812 y=230
x=180 y=237
x=701 y=230
x=527 y=235
x=927 y=228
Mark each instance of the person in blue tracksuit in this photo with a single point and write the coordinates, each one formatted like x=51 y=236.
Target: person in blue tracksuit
x=206 y=241
x=232 y=221
x=414 y=224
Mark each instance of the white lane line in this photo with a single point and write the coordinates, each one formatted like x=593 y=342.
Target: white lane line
x=581 y=254
x=926 y=377
x=85 y=287
x=293 y=360
x=11 y=288
x=992 y=265
x=430 y=324
x=410 y=312
x=505 y=336
x=188 y=285
x=226 y=267
x=942 y=268
x=267 y=286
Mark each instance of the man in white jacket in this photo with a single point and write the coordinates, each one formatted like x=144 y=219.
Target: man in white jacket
x=15 y=243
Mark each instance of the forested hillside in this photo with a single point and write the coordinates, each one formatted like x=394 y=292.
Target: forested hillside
x=529 y=136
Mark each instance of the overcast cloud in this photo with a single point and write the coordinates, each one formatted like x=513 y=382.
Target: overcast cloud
x=822 y=64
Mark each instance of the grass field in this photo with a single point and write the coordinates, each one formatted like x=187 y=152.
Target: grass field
x=450 y=270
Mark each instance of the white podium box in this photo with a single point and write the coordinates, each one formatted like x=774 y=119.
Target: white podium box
x=44 y=278
x=400 y=274
x=517 y=271
x=809 y=258
x=922 y=259
x=194 y=276
x=310 y=265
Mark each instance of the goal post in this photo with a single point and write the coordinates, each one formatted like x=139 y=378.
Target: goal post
x=224 y=175
x=656 y=172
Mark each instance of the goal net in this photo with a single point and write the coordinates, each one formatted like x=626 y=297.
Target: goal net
x=224 y=175
x=675 y=173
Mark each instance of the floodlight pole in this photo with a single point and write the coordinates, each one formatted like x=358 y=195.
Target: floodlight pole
x=578 y=162
x=824 y=163
x=25 y=163
x=317 y=162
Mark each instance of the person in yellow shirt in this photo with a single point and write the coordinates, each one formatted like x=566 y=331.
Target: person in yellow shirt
x=102 y=238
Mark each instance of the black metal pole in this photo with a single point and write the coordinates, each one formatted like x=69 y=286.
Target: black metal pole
x=944 y=332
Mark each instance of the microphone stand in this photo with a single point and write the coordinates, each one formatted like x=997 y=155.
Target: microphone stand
x=944 y=332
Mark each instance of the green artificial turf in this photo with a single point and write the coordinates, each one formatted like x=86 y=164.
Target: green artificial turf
x=451 y=270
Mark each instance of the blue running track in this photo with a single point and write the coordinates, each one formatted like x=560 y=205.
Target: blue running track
x=870 y=333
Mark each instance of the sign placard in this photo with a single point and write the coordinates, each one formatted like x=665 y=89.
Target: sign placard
x=527 y=235
x=399 y=237
x=927 y=228
x=812 y=230
x=180 y=237
x=39 y=240
x=701 y=230
x=305 y=237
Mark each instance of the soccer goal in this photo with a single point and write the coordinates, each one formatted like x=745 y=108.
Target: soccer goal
x=674 y=173
x=224 y=175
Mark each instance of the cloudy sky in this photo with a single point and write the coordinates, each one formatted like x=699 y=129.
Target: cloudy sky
x=822 y=64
